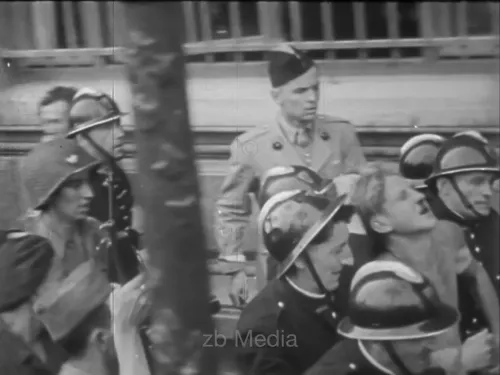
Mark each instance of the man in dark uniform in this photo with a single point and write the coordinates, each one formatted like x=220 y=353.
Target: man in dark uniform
x=96 y=125
x=393 y=319
x=459 y=190
x=293 y=320
x=298 y=136
x=25 y=347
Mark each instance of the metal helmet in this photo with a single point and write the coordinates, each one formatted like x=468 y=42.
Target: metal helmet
x=464 y=153
x=417 y=156
x=91 y=108
x=292 y=220
x=48 y=165
x=390 y=301
x=295 y=177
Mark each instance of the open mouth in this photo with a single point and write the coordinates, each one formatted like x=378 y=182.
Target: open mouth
x=423 y=208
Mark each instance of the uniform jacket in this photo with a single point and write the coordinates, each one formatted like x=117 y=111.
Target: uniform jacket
x=345 y=358
x=102 y=178
x=295 y=329
x=481 y=238
x=335 y=149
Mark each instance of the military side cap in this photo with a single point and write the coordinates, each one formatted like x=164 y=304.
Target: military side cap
x=25 y=261
x=63 y=308
x=462 y=154
x=292 y=220
x=287 y=63
x=390 y=301
x=91 y=108
x=418 y=154
x=48 y=165
x=295 y=177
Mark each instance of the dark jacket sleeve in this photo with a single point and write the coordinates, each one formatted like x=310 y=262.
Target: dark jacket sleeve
x=253 y=358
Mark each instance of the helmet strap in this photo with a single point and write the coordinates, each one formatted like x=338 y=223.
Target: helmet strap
x=462 y=197
x=317 y=279
x=395 y=358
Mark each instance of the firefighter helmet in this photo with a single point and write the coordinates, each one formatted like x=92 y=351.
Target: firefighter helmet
x=390 y=301
x=91 y=108
x=418 y=154
x=464 y=153
x=295 y=177
x=48 y=165
x=292 y=220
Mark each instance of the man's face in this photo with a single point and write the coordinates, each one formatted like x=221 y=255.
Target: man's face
x=331 y=254
x=405 y=209
x=54 y=119
x=298 y=99
x=111 y=138
x=74 y=198
x=477 y=188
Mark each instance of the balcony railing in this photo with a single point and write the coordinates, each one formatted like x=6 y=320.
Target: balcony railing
x=242 y=31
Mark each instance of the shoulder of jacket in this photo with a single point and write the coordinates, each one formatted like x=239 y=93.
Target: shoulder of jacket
x=327 y=120
x=262 y=313
x=251 y=135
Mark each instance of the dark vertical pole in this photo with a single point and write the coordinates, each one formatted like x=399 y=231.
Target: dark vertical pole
x=169 y=189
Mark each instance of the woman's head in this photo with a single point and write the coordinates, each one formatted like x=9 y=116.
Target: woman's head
x=54 y=175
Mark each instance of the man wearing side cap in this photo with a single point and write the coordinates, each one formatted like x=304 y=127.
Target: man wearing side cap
x=393 y=319
x=25 y=347
x=293 y=320
x=298 y=136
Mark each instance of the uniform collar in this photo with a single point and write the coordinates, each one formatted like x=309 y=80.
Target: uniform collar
x=303 y=291
x=372 y=360
x=289 y=130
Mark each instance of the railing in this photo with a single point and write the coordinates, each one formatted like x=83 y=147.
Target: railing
x=217 y=31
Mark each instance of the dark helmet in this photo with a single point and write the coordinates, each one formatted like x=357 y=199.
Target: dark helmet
x=91 y=108
x=390 y=301
x=292 y=220
x=48 y=165
x=418 y=154
x=295 y=177
x=464 y=153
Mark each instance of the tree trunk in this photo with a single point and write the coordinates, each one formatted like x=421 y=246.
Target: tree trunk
x=169 y=191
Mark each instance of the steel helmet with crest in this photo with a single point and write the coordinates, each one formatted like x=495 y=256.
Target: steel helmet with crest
x=291 y=221
x=48 y=166
x=390 y=302
x=464 y=153
x=286 y=178
x=91 y=108
x=417 y=156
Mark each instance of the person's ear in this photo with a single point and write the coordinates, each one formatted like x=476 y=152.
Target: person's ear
x=300 y=263
x=100 y=337
x=442 y=185
x=276 y=95
x=381 y=224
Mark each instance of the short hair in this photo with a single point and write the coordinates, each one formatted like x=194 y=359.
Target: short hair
x=368 y=198
x=75 y=343
x=57 y=94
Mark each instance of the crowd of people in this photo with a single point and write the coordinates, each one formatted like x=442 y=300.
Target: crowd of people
x=369 y=270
